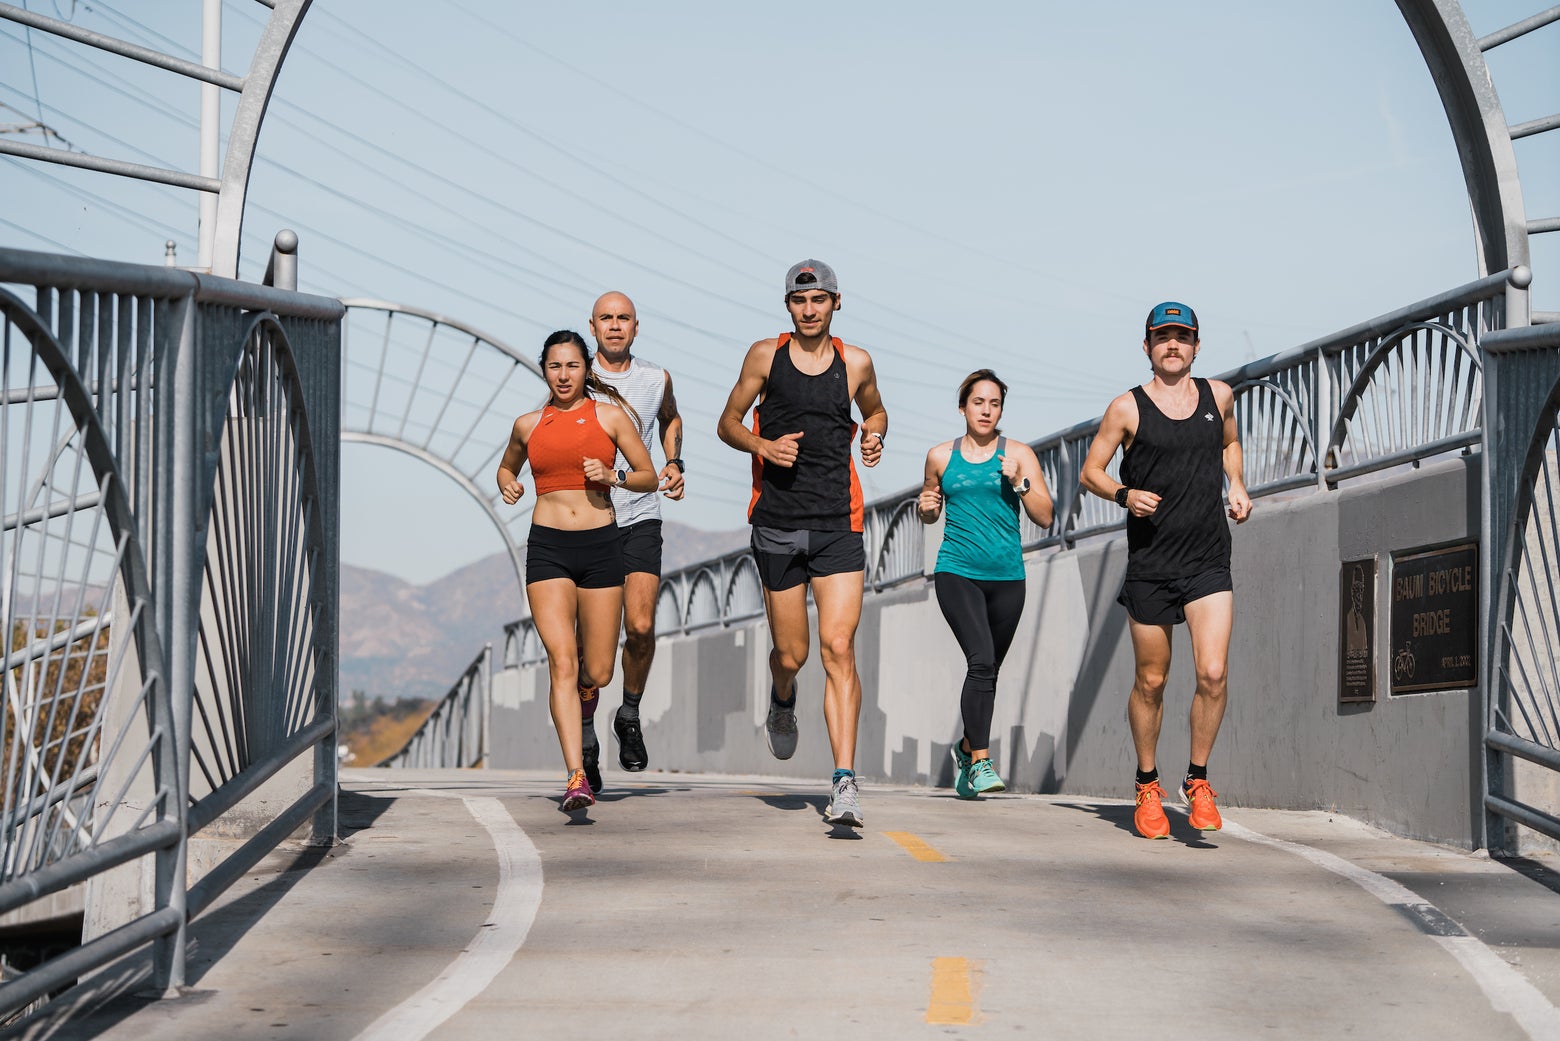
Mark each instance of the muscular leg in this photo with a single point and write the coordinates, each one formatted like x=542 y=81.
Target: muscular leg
x=1146 y=706
x=553 y=609
x=639 y=596
x=1209 y=620
x=838 y=598
x=787 y=611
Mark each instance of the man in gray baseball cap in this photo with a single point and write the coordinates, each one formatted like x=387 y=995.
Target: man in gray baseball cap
x=806 y=510
x=811 y=274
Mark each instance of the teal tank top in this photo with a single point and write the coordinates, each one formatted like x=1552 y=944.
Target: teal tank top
x=980 y=520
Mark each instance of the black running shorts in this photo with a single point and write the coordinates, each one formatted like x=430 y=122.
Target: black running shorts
x=642 y=547
x=1152 y=601
x=786 y=559
x=591 y=559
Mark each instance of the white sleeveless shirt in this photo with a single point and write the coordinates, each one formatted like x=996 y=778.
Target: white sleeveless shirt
x=643 y=383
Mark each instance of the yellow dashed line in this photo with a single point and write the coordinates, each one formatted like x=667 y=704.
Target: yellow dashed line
x=915 y=847
x=953 y=991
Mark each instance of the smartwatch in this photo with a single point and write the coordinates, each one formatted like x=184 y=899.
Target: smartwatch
x=1121 y=496
x=881 y=437
x=679 y=464
x=622 y=477
x=1022 y=486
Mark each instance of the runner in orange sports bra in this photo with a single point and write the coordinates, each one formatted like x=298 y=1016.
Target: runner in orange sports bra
x=574 y=555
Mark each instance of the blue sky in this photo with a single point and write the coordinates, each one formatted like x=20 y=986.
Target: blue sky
x=999 y=184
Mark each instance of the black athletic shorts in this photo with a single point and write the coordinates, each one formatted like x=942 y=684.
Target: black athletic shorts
x=786 y=559
x=642 y=547
x=591 y=559
x=1152 y=601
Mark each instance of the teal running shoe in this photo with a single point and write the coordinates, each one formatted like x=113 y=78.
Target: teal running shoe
x=961 y=773
x=983 y=779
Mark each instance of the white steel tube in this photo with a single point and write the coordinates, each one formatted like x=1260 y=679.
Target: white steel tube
x=210 y=125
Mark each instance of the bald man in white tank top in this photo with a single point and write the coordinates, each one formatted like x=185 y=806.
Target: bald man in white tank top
x=614 y=323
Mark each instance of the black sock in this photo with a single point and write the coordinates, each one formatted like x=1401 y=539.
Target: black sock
x=588 y=732
x=774 y=696
x=630 y=709
x=1196 y=773
x=1148 y=778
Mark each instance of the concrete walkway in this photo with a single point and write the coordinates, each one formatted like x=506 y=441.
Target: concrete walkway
x=464 y=905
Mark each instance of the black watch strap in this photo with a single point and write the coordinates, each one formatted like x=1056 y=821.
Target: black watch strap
x=1121 y=496
x=679 y=464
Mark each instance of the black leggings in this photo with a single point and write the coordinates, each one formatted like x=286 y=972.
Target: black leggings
x=983 y=616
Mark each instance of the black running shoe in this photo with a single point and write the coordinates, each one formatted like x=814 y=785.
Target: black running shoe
x=631 y=742
x=593 y=766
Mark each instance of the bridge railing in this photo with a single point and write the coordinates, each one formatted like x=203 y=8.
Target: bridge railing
x=168 y=474
x=1399 y=388
x=1396 y=389
x=455 y=734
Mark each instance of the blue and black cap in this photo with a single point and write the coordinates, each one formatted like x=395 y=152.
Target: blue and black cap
x=1170 y=313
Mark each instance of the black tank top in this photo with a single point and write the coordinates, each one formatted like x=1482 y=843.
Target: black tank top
x=1182 y=461
x=820 y=491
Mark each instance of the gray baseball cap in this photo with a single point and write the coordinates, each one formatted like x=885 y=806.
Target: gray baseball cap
x=811 y=274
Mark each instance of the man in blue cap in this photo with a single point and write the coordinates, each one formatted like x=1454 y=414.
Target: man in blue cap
x=1180 y=445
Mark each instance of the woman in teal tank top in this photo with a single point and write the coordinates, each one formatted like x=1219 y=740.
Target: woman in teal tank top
x=979 y=482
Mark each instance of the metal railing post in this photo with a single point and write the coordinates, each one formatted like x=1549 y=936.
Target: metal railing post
x=181 y=554
x=485 y=746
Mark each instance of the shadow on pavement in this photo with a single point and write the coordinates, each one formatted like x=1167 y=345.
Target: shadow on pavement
x=793 y=801
x=1119 y=816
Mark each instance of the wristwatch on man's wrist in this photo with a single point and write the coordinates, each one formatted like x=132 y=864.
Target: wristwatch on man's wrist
x=1121 y=496
x=679 y=464
x=622 y=477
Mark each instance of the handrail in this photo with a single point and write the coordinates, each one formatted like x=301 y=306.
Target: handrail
x=1319 y=371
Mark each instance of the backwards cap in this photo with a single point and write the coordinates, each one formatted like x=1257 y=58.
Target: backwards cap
x=807 y=275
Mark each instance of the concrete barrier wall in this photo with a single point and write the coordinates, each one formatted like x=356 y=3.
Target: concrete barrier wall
x=1407 y=763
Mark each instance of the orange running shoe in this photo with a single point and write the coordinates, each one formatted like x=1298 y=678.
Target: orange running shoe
x=1150 y=819
x=1201 y=810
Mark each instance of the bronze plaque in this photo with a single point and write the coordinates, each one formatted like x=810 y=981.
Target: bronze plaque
x=1357 y=630
x=1435 y=619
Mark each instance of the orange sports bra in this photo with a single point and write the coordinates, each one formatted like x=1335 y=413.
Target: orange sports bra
x=561 y=442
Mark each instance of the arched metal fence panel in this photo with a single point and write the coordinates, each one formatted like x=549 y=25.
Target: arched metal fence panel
x=1414 y=393
x=744 y=591
x=87 y=719
x=169 y=557
x=901 y=549
x=704 y=599
x=261 y=583
x=455 y=734
x=668 y=609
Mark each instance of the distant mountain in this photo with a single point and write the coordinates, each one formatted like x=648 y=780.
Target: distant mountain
x=404 y=640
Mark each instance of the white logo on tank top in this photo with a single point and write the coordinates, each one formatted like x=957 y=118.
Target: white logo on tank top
x=1206 y=415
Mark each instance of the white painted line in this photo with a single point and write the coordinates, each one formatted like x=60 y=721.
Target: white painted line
x=496 y=943
x=1506 y=988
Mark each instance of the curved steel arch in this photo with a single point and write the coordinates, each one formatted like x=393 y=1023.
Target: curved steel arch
x=254 y=90
x=1455 y=58
x=515 y=556
x=404 y=392
x=244 y=132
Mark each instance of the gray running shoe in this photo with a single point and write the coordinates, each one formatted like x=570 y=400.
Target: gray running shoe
x=844 y=804
x=961 y=773
x=780 y=727
x=983 y=778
